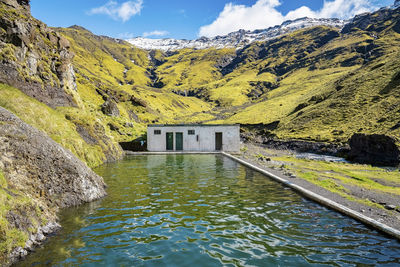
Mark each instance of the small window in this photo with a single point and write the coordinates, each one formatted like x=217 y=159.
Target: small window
x=157 y=131
x=191 y=132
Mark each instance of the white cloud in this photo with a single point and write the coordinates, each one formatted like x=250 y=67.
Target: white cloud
x=264 y=14
x=117 y=11
x=155 y=33
x=126 y=35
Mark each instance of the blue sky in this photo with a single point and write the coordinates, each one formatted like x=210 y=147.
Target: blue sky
x=188 y=19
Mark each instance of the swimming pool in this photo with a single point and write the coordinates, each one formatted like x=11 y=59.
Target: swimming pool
x=206 y=210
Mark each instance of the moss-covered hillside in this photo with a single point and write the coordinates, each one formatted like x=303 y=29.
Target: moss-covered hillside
x=320 y=83
x=38 y=61
x=330 y=84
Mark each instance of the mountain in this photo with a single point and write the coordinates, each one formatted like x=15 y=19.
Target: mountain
x=236 y=39
x=292 y=78
x=307 y=83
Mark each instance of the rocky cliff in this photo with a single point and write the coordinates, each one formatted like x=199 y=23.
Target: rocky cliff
x=37 y=178
x=38 y=173
x=39 y=62
x=33 y=57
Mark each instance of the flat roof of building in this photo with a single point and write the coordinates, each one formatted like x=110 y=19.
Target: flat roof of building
x=190 y=125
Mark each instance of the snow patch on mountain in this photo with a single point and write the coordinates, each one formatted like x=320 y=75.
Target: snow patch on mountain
x=236 y=39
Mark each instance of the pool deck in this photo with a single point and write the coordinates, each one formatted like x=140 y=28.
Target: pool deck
x=323 y=200
x=299 y=189
x=130 y=153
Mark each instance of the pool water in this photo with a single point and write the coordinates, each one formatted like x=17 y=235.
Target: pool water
x=206 y=210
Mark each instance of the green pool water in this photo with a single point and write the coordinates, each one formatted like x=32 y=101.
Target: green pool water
x=206 y=210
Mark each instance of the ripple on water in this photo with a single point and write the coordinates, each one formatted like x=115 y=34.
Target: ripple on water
x=206 y=210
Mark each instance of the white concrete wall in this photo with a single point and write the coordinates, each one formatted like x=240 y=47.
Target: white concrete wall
x=206 y=137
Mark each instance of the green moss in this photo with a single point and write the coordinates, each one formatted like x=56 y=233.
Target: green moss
x=335 y=176
x=10 y=237
x=338 y=100
x=7 y=53
x=54 y=123
x=10 y=13
x=3 y=182
x=124 y=72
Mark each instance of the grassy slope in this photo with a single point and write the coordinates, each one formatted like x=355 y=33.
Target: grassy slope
x=335 y=99
x=190 y=69
x=51 y=121
x=120 y=69
x=320 y=84
x=10 y=237
x=312 y=81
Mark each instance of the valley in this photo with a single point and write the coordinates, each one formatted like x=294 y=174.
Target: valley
x=315 y=85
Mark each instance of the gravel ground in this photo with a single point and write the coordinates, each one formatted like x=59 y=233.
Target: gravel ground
x=388 y=217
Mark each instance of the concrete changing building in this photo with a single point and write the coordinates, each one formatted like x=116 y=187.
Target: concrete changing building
x=193 y=137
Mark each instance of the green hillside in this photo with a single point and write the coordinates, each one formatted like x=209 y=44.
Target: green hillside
x=318 y=84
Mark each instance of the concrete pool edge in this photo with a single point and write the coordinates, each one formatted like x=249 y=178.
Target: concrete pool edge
x=131 y=153
x=322 y=200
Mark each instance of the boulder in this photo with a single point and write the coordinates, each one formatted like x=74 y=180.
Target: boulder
x=128 y=125
x=110 y=108
x=374 y=149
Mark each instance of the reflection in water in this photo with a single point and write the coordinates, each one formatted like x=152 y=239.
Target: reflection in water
x=206 y=210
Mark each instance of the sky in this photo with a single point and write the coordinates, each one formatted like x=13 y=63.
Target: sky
x=189 y=19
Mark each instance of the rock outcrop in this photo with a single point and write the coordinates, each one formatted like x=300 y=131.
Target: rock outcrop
x=374 y=149
x=33 y=57
x=37 y=178
x=110 y=108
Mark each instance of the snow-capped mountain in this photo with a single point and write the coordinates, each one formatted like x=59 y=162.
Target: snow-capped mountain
x=236 y=39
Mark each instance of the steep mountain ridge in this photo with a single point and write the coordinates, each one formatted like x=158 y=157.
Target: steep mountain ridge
x=39 y=62
x=237 y=39
x=33 y=57
x=280 y=79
